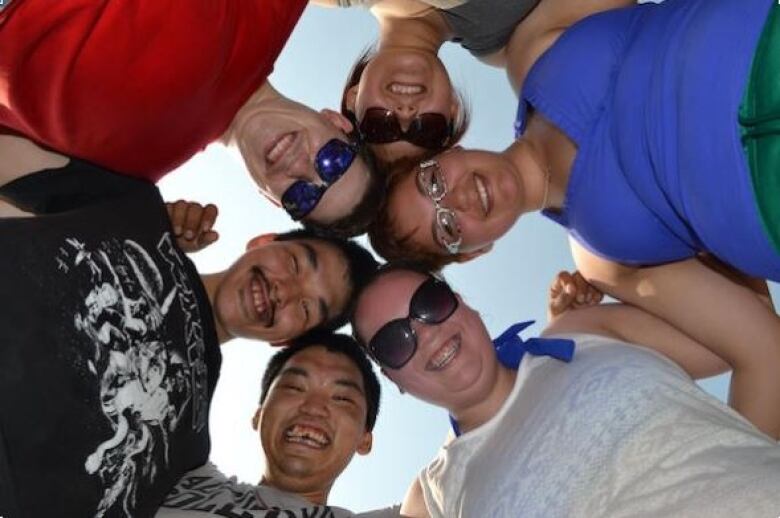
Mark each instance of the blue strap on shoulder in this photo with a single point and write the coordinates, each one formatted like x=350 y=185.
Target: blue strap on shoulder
x=510 y=349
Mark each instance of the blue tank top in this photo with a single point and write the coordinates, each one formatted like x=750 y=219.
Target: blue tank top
x=650 y=96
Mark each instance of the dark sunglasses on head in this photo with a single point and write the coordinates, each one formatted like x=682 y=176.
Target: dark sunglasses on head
x=395 y=343
x=332 y=161
x=428 y=130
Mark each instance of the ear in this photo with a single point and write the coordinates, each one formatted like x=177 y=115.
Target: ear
x=350 y=98
x=338 y=120
x=365 y=444
x=260 y=240
x=465 y=257
x=270 y=197
x=256 y=418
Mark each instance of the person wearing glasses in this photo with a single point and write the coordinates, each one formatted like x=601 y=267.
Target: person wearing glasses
x=139 y=88
x=111 y=338
x=598 y=417
x=643 y=167
x=399 y=94
x=318 y=405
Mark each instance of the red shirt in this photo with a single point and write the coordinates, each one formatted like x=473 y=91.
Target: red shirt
x=138 y=86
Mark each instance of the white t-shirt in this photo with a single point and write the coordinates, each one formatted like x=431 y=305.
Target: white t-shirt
x=620 y=431
x=207 y=492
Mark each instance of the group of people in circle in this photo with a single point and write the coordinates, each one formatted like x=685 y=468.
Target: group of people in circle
x=648 y=131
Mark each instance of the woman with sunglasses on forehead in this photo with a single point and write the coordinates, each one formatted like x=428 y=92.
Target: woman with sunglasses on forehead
x=592 y=419
x=399 y=94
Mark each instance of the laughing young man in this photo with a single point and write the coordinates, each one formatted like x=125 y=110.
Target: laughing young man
x=111 y=337
x=140 y=87
x=318 y=405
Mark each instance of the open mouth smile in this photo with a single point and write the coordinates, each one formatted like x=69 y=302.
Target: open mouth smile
x=259 y=304
x=307 y=435
x=445 y=354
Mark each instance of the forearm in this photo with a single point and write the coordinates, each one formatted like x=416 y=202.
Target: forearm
x=729 y=319
x=633 y=325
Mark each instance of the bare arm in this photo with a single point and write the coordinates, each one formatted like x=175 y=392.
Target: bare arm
x=732 y=321
x=536 y=33
x=22 y=157
x=414 y=502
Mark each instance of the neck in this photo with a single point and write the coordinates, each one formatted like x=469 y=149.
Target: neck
x=426 y=33
x=317 y=496
x=531 y=165
x=265 y=93
x=481 y=412
x=211 y=283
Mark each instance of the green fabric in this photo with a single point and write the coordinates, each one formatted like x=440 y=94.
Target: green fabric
x=759 y=119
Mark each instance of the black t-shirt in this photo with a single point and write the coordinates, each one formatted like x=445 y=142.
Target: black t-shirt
x=108 y=352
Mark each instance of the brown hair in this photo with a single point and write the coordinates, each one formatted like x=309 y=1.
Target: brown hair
x=385 y=238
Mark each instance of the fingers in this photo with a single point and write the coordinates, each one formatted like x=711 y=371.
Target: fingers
x=562 y=293
x=192 y=224
x=586 y=294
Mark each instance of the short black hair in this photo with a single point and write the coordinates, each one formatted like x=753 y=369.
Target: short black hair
x=360 y=262
x=365 y=211
x=335 y=343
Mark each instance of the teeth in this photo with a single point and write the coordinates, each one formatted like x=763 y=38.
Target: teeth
x=277 y=151
x=482 y=191
x=302 y=434
x=258 y=296
x=406 y=89
x=445 y=354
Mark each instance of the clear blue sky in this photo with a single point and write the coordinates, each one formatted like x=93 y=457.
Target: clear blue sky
x=508 y=285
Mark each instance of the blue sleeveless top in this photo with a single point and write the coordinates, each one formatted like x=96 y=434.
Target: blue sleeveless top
x=650 y=96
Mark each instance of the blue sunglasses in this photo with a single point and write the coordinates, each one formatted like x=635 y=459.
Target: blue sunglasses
x=332 y=161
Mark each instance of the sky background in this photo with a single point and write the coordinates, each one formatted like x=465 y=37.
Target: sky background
x=508 y=285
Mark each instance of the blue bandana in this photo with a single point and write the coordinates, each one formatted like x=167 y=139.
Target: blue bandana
x=510 y=349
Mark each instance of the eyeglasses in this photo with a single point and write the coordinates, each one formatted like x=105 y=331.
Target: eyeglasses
x=430 y=180
x=395 y=343
x=331 y=162
x=428 y=130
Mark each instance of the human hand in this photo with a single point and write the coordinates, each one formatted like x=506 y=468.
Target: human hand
x=192 y=224
x=571 y=291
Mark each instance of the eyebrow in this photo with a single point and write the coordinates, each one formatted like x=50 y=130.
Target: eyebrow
x=313 y=259
x=311 y=255
x=294 y=371
x=350 y=384
x=343 y=382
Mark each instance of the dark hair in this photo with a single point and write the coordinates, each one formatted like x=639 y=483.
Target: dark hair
x=335 y=343
x=459 y=125
x=386 y=241
x=364 y=213
x=360 y=262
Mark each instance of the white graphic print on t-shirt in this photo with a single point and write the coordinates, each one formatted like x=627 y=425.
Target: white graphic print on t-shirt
x=145 y=382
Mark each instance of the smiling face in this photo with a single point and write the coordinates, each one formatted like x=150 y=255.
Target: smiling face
x=409 y=83
x=454 y=364
x=279 y=140
x=313 y=421
x=278 y=290
x=483 y=191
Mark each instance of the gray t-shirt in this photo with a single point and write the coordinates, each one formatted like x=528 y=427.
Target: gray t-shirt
x=485 y=26
x=207 y=492
x=621 y=432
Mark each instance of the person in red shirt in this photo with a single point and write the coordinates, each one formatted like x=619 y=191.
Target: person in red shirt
x=140 y=87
